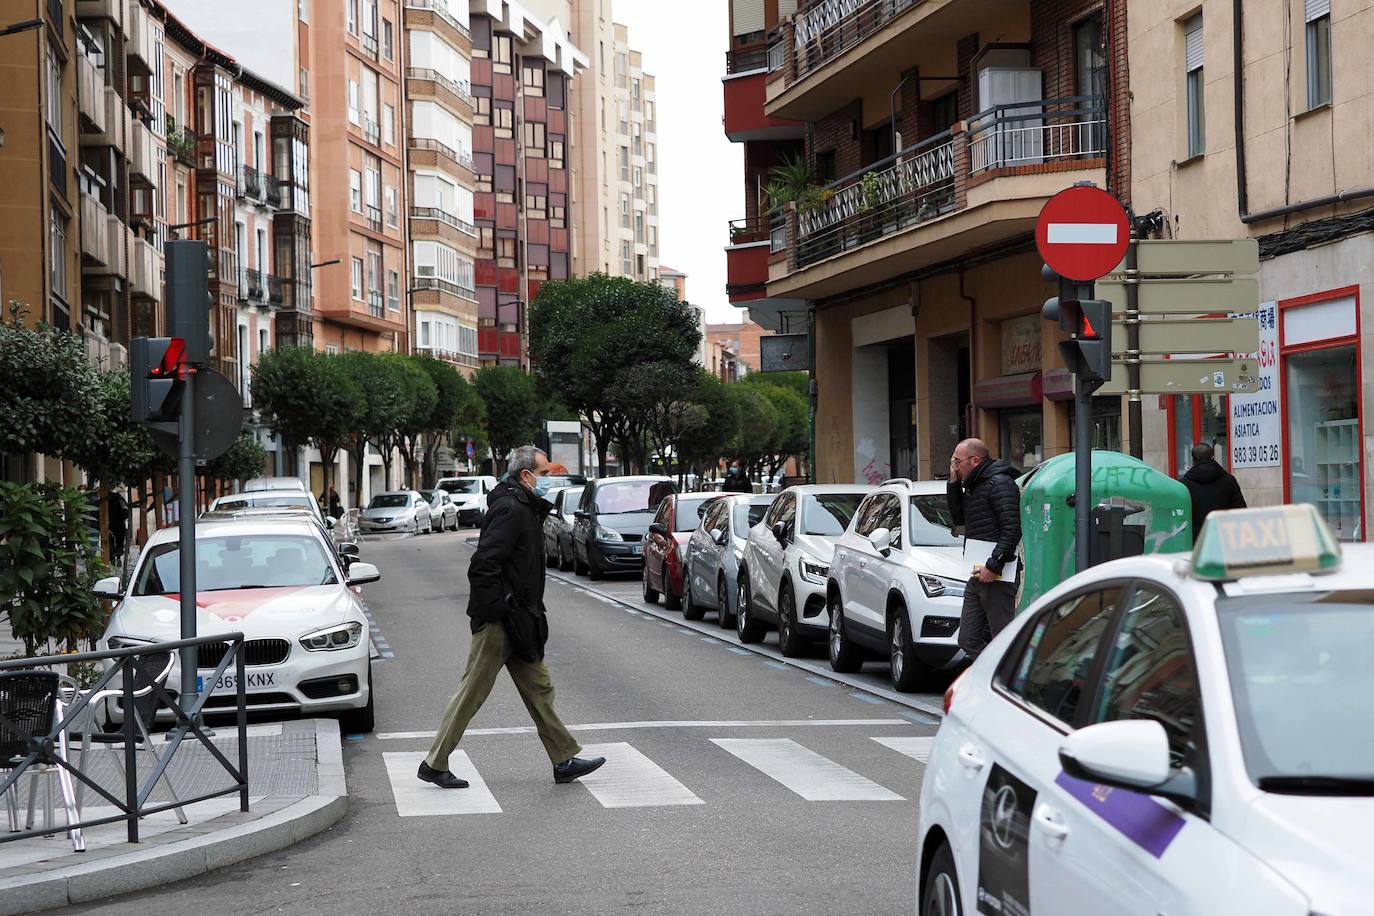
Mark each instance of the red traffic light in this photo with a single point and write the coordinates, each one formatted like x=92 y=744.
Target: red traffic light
x=173 y=360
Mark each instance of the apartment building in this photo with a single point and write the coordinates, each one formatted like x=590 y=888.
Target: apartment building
x=438 y=114
x=934 y=133
x=1278 y=150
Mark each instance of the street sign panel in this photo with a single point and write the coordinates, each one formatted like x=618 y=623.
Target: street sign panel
x=784 y=353
x=1206 y=256
x=1082 y=233
x=1192 y=335
x=1189 y=376
x=1184 y=297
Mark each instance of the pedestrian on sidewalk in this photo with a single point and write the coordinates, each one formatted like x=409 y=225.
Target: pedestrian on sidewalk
x=506 y=604
x=1210 y=486
x=984 y=499
x=117 y=508
x=736 y=481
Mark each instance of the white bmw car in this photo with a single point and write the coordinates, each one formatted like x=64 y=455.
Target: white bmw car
x=277 y=581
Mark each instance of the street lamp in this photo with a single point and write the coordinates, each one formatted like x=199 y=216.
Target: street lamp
x=327 y=263
x=24 y=26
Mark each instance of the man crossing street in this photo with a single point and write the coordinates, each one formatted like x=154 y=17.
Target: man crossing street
x=984 y=499
x=506 y=576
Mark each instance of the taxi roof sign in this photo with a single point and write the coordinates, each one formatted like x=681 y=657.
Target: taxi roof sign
x=1254 y=542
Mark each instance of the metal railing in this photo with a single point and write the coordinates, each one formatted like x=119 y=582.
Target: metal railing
x=777 y=56
x=462 y=157
x=746 y=60
x=252 y=278
x=460 y=89
x=440 y=9
x=373 y=215
x=48 y=750
x=1030 y=133
x=443 y=216
x=447 y=286
x=749 y=229
x=251 y=179
x=272 y=191
x=374 y=304
x=910 y=187
x=369 y=43
x=274 y=289
x=829 y=28
x=777 y=231
x=372 y=131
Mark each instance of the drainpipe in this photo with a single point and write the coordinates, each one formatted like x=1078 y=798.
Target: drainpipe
x=812 y=391
x=1242 y=195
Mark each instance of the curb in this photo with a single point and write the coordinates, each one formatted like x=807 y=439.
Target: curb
x=152 y=863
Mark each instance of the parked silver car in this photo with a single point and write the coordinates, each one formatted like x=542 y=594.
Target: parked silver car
x=715 y=549
x=397 y=511
x=442 y=508
x=558 y=542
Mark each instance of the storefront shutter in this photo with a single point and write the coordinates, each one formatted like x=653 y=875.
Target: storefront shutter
x=1315 y=9
x=1192 y=44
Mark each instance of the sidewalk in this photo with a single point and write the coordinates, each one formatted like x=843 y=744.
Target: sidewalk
x=296 y=778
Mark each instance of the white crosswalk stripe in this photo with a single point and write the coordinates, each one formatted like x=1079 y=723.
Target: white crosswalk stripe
x=915 y=748
x=421 y=799
x=813 y=777
x=630 y=780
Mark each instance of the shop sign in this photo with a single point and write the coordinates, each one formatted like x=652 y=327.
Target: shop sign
x=1021 y=344
x=1256 y=423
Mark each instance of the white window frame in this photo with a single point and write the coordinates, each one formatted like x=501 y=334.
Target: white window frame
x=356 y=272
x=355 y=190
x=354 y=114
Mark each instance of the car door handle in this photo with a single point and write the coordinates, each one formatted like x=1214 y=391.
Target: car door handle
x=1051 y=822
x=971 y=757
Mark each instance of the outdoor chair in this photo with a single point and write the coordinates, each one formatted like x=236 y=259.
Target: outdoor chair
x=29 y=706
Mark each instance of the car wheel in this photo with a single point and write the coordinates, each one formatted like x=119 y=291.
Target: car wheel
x=416 y=529
x=579 y=568
x=690 y=609
x=594 y=572
x=650 y=593
x=906 y=671
x=550 y=560
x=941 y=894
x=723 y=615
x=671 y=599
x=362 y=721
x=564 y=563
x=747 y=628
x=844 y=655
x=789 y=640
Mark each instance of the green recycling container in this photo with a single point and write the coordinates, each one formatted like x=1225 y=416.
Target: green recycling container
x=1047 y=518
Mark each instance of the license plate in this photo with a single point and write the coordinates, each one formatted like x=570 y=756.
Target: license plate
x=636 y=550
x=257 y=680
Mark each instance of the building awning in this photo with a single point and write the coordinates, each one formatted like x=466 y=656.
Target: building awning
x=1021 y=390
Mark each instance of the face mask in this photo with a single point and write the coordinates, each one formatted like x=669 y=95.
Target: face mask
x=734 y=472
x=541 y=488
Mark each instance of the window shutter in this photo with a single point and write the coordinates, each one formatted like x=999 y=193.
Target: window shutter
x=1315 y=9
x=1192 y=44
x=748 y=16
x=786 y=8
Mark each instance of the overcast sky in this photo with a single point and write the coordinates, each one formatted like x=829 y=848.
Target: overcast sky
x=700 y=173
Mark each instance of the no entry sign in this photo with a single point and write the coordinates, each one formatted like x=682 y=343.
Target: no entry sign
x=1082 y=233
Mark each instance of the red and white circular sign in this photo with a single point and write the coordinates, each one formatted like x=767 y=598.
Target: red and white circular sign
x=1082 y=233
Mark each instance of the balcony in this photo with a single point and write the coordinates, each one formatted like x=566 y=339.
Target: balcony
x=181 y=143
x=273 y=193
x=251 y=287
x=91 y=93
x=369 y=43
x=371 y=131
x=275 y=295
x=746 y=259
x=250 y=180
x=373 y=215
x=949 y=194
x=95 y=238
x=456 y=95
x=436 y=223
x=109 y=260
x=142 y=158
x=144 y=269
x=139 y=48
x=465 y=360
x=113 y=121
x=100 y=9
x=436 y=15
x=375 y=308
x=746 y=60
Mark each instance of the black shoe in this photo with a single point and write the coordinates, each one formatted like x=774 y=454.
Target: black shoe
x=575 y=767
x=444 y=780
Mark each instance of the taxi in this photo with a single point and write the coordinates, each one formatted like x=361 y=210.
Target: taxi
x=1168 y=734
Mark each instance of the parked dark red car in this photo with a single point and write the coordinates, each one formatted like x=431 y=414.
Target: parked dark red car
x=665 y=548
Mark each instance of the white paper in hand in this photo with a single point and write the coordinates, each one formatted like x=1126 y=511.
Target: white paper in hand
x=976 y=553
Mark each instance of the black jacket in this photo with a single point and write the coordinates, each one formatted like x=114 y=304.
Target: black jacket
x=1211 y=487
x=506 y=574
x=988 y=506
x=735 y=484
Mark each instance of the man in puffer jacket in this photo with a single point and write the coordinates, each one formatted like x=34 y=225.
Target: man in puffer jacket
x=985 y=501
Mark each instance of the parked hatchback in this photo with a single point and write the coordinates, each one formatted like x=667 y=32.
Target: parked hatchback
x=612 y=521
x=665 y=549
x=714 y=552
x=558 y=525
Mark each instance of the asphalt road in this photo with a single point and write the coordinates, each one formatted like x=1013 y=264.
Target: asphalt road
x=736 y=783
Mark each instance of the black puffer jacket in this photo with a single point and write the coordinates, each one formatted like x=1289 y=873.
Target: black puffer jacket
x=988 y=506
x=507 y=570
x=1211 y=488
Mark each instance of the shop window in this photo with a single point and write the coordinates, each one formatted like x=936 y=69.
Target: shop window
x=1195 y=418
x=1022 y=437
x=1322 y=389
x=1106 y=423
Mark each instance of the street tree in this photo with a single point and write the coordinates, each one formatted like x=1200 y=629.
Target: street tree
x=51 y=390
x=453 y=396
x=757 y=421
x=245 y=458
x=306 y=398
x=380 y=410
x=421 y=398
x=709 y=425
x=513 y=406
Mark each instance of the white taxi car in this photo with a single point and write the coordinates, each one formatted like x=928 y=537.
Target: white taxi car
x=277 y=581
x=1166 y=734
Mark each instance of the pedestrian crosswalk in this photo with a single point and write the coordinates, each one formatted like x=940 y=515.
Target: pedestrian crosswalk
x=630 y=779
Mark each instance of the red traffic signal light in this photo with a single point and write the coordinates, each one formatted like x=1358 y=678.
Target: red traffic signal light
x=171 y=361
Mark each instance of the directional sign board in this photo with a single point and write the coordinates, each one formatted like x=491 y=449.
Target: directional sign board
x=1192 y=335
x=1193 y=257
x=1189 y=376
x=1184 y=297
x=1082 y=233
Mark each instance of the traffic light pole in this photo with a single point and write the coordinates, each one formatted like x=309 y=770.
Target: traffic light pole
x=1134 y=418
x=186 y=520
x=1083 y=455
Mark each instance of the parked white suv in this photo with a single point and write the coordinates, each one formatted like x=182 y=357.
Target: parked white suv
x=469 y=495
x=896 y=584
x=787 y=561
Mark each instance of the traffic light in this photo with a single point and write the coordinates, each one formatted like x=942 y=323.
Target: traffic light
x=1089 y=354
x=155 y=365
x=189 y=303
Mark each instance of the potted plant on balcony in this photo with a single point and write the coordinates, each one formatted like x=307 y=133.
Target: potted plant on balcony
x=181 y=143
x=869 y=225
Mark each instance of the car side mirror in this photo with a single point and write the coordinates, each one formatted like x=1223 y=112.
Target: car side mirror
x=659 y=529
x=779 y=530
x=361 y=573
x=718 y=535
x=107 y=588
x=330 y=521
x=881 y=539
x=1128 y=754
x=349 y=550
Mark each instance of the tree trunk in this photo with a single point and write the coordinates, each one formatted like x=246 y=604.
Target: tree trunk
x=357 y=456
x=103 y=536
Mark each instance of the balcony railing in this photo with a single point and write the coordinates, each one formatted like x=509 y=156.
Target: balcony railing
x=251 y=179
x=1022 y=134
x=374 y=218
x=746 y=60
x=443 y=216
x=828 y=29
x=274 y=289
x=440 y=9
x=371 y=131
x=447 y=286
x=460 y=89
x=777 y=56
x=253 y=285
x=181 y=143
x=374 y=304
x=462 y=157
x=272 y=191
x=749 y=229
x=911 y=187
x=370 y=46
x=57 y=165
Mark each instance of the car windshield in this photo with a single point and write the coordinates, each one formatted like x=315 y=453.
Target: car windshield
x=687 y=517
x=629 y=496
x=931 y=523
x=239 y=561
x=249 y=501
x=471 y=485
x=747 y=515
x=829 y=513
x=427 y=495
x=1302 y=672
x=390 y=501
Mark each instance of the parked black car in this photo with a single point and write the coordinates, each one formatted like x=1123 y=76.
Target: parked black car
x=612 y=521
x=558 y=525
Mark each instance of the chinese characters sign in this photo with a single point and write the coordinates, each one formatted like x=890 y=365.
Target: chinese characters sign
x=1256 y=424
